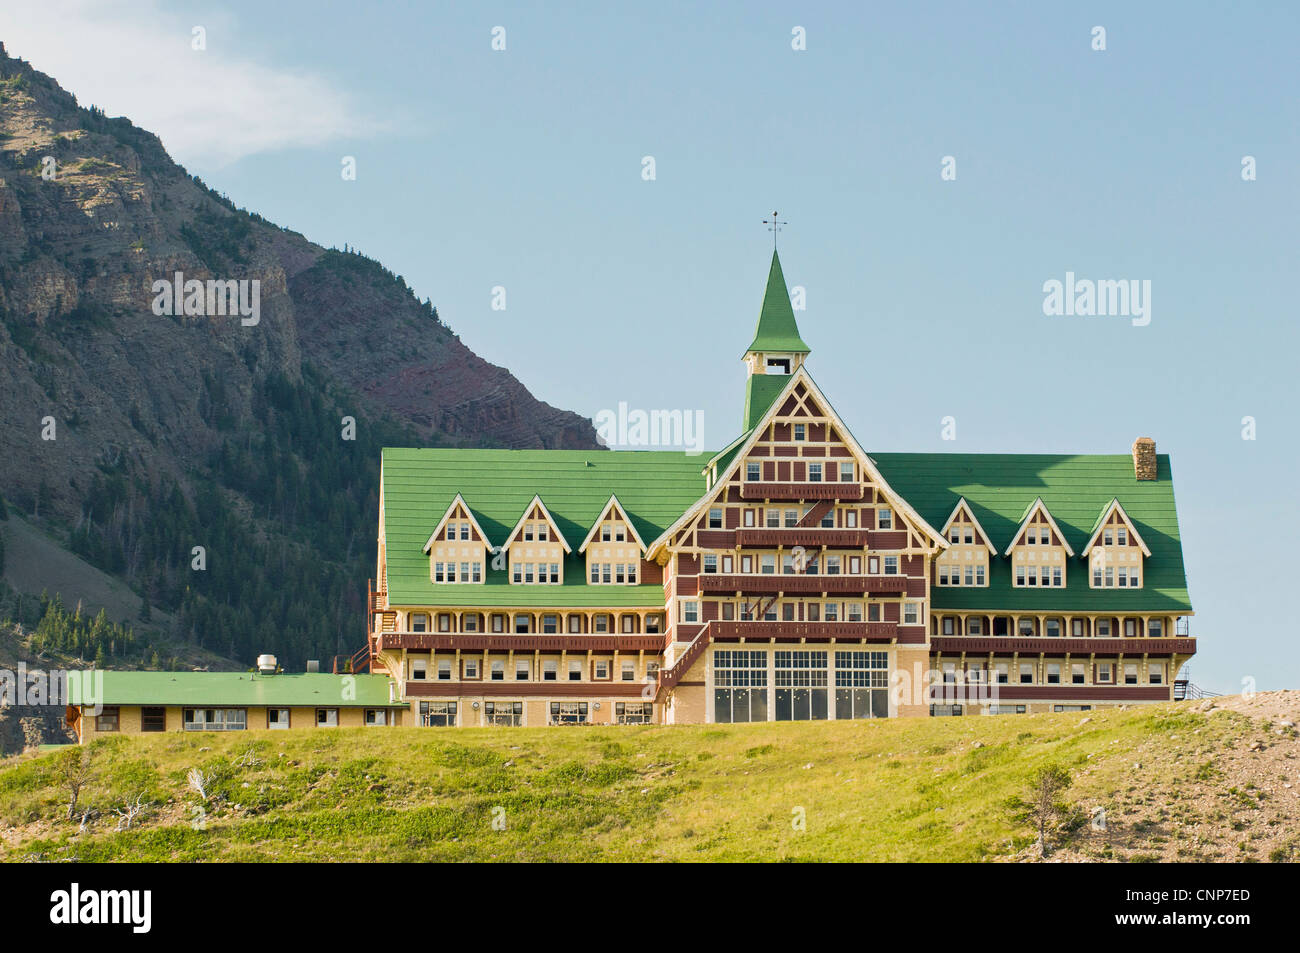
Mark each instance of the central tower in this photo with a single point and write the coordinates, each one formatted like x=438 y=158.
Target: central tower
x=777 y=350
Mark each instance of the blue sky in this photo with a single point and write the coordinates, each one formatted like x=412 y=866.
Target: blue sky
x=522 y=169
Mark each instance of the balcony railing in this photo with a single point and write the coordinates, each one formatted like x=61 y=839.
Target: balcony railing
x=477 y=642
x=800 y=582
x=794 y=631
x=800 y=491
x=802 y=536
x=984 y=693
x=998 y=645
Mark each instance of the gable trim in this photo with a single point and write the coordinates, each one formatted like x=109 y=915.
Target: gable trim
x=1111 y=507
x=536 y=501
x=963 y=505
x=1034 y=507
x=614 y=503
x=446 y=514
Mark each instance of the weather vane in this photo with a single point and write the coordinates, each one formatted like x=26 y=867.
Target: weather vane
x=774 y=226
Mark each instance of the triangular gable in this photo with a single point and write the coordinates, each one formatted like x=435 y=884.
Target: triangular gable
x=1034 y=507
x=868 y=465
x=1114 y=506
x=536 y=503
x=964 y=507
x=615 y=505
x=446 y=515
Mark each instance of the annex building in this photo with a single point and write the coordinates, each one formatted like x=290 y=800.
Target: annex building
x=794 y=574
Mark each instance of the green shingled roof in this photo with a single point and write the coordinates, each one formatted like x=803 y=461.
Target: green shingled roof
x=1075 y=489
x=654 y=488
x=776 y=329
x=244 y=689
x=760 y=391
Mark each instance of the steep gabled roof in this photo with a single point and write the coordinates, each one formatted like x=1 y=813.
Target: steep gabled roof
x=536 y=503
x=613 y=504
x=1101 y=522
x=777 y=329
x=459 y=500
x=1035 y=507
x=801 y=375
x=964 y=507
x=998 y=486
x=653 y=488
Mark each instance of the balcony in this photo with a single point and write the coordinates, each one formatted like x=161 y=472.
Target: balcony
x=773 y=583
x=802 y=536
x=984 y=693
x=800 y=491
x=481 y=642
x=982 y=645
x=488 y=688
x=797 y=631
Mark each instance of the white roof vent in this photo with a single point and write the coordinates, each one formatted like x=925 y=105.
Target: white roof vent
x=266 y=664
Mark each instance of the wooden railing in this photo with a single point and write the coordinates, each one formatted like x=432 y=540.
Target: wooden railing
x=475 y=642
x=800 y=491
x=669 y=677
x=1073 y=645
x=802 y=536
x=800 y=582
x=794 y=631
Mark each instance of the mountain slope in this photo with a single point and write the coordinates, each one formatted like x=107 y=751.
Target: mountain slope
x=176 y=432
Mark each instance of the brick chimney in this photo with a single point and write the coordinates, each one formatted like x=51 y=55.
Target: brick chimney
x=1144 y=458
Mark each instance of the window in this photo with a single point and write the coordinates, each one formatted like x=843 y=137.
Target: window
x=419 y=622
x=652 y=624
x=628 y=670
x=1059 y=708
x=215 y=719
x=1130 y=628
x=1155 y=673
x=846 y=473
x=1104 y=673
x=1020 y=575
x=523 y=669
x=791 y=518
x=751 y=472
x=550 y=624
x=376 y=717
x=153 y=718
x=568 y=713
x=715 y=518
x=739 y=685
x=1006 y=709
x=891 y=565
x=851 y=519
x=748 y=517
x=498 y=623
x=1003 y=672
x=600 y=670
x=1076 y=627
x=471 y=668
x=1053 y=673
x=773 y=518
x=1155 y=628
x=444 y=670
x=1130 y=673
x=800 y=432
x=632 y=713
x=1053 y=628
x=944 y=711
x=814 y=473
x=601 y=621
x=471 y=622
x=549 y=670
x=327 y=717
x=1103 y=628
x=861 y=685
x=1107 y=538
x=438 y=714
x=1121 y=536
x=948 y=625
x=975 y=626
x=606 y=532
x=522 y=622
x=884 y=518
x=1076 y=673
x=1026 y=673
x=503 y=713
x=911 y=613
x=418 y=667
x=277 y=719
x=710 y=563
x=575 y=670
x=1026 y=627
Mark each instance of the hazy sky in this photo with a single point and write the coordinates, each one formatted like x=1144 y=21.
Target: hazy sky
x=523 y=168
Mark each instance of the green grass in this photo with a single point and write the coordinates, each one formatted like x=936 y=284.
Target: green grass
x=901 y=790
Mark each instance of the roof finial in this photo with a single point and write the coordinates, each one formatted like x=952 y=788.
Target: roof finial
x=774 y=226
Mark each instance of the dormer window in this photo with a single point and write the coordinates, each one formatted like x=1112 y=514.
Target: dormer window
x=605 y=533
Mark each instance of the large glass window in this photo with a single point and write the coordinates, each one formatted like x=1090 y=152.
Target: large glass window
x=801 y=686
x=215 y=719
x=861 y=685
x=739 y=685
x=438 y=714
x=568 y=713
x=632 y=713
x=503 y=713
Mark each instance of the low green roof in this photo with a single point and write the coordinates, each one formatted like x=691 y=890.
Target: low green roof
x=777 y=329
x=654 y=488
x=1075 y=489
x=244 y=689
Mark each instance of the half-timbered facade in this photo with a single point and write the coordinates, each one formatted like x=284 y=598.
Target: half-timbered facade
x=790 y=576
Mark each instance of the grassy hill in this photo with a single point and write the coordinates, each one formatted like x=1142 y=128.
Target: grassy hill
x=1176 y=782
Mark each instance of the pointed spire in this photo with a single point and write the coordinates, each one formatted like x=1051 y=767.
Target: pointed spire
x=777 y=330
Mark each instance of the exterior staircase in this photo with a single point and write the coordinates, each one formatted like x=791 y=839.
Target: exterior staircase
x=669 y=677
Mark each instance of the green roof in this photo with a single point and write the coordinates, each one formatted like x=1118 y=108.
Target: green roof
x=777 y=330
x=654 y=488
x=760 y=391
x=245 y=689
x=1000 y=488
